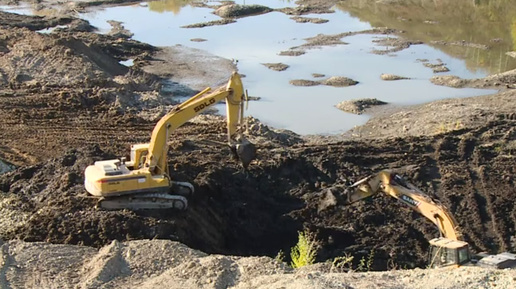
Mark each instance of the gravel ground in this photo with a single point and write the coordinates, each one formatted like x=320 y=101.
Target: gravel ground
x=166 y=264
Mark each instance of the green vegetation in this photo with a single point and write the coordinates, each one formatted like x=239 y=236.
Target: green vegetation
x=344 y=263
x=305 y=251
x=173 y=6
x=366 y=264
x=280 y=257
x=447 y=127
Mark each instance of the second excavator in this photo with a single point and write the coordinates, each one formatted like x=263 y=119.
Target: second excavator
x=447 y=250
x=144 y=182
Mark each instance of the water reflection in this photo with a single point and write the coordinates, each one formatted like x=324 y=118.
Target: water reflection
x=173 y=6
x=6 y=167
x=491 y=23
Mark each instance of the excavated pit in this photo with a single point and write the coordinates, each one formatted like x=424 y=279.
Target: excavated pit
x=260 y=214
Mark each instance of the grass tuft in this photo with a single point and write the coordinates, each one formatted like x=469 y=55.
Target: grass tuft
x=305 y=251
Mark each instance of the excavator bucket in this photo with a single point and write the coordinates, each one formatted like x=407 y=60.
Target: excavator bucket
x=245 y=151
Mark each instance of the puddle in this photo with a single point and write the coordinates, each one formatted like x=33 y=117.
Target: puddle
x=128 y=62
x=51 y=29
x=259 y=39
x=5 y=167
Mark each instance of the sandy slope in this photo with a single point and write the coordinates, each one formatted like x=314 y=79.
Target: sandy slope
x=150 y=264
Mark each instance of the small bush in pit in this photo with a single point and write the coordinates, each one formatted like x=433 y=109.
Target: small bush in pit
x=304 y=252
x=343 y=263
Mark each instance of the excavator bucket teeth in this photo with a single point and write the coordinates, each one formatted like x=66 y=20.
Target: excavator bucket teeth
x=246 y=152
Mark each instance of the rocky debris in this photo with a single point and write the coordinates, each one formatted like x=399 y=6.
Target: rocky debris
x=505 y=80
x=318 y=75
x=237 y=10
x=393 y=44
x=462 y=43
x=358 y=106
x=306 y=9
x=304 y=82
x=436 y=67
x=429 y=119
x=511 y=54
x=321 y=40
x=300 y=19
x=210 y=23
x=441 y=68
x=118 y=30
x=337 y=81
x=276 y=66
x=292 y=52
x=449 y=80
x=387 y=76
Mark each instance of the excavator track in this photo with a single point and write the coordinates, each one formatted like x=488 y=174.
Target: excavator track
x=144 y=201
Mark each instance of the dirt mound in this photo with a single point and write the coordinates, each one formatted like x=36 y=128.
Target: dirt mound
x=236 y=10
x=32 y=59
x=167 y=264
x=336 y=81
x=499 y=81
x=358 y=106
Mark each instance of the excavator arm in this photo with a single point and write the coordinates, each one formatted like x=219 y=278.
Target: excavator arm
x=233 y=93
x=448 y=250
x=395 y=186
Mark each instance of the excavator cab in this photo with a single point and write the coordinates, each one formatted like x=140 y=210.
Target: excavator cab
x=447 y=252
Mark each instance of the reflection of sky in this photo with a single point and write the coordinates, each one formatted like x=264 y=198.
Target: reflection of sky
x=258 y=39
x=4 y=168
x=23 y=9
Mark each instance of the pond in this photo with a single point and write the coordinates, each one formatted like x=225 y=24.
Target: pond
x=254 y=40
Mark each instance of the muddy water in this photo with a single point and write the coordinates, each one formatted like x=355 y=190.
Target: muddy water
x=252 y=41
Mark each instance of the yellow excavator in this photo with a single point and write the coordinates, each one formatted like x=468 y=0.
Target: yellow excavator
x=143 y=182
x=447 y=250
